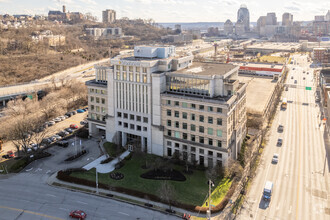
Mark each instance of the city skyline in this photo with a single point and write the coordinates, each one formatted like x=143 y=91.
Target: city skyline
x=180 y=10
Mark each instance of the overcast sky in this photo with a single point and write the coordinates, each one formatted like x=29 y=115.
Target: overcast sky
x=173 y=10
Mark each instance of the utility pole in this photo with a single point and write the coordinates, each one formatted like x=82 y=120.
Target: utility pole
x=209 y=211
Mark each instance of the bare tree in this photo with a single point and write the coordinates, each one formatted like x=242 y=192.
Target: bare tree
x=166 y=193
x=233 y=169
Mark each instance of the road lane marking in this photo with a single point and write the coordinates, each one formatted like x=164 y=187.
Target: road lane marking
x=64 y=209
x=123 y=213
x=82 y=202
x=50 y=195
x=30 y=212
x=28 y=170
x=297 y=203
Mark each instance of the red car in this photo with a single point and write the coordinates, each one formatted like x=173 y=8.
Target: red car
x=74 y=126
x=78 y=214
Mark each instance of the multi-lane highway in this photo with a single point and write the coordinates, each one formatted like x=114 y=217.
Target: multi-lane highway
x=301 y=177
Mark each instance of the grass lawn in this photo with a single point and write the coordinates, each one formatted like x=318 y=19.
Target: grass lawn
x=193 y=191
x=112 y=149
x=219 y=192
x=12 y=165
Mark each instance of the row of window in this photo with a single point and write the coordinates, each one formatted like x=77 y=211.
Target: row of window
x=201 y=129
x=201 y=118
x=132 y=126
x=97 y=117
x=186 y=148
x=132 y=117
x=130 y=68
x=193 y=138
x=97 y=99
x=98 y=109
x=98 y=91
x=131 y=77
x=193 y=106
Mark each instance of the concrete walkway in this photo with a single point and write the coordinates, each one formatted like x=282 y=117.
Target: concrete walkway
x=107 y=167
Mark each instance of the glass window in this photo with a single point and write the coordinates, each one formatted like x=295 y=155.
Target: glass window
x=132 y=126
x=193 y=138
x=125 y=115
x=210 y=120
x=184 y=126
x=102 y=109
x=201 y=118
x=103 y=101
x=169 y=133
x=119 y=114
x=177 y=145
x=193 y=117
x=184 y=115
x=168 y=102
x=137 y=77
x=97 y=100
x=184 y=105
x=201 y=140
x=177 y=124
x=177 y=134
x=219 y=110
x=210 y=131
x=138 y=128
x=193 y=149
x=176 y=114
x=169 y=112
x=137 y=69
x=219 y=155
x=98 y=108
x=91 y=90
x=145 y=119
x=125 y=125
x=210 y=152
x=201 y=151
x=201 y=129
x=210 y=108
x=131 y=117
x=92 y=107
x=219 y=121
x=169 y=143
x=201 y=107
x=219 y=133
x=193 y=127
x=119 y=123
x=130 y=76
x=92 y=98
x=130 y=68
x=124 y=76
x=145 y=129
x=185 y=136
x=144 y=78
x=138 y=118
x=176 y=103
x=169 y=123
x=103 y=92
x=144 y=70
x=184 y=147
x=124 y=68
x=219 y=143
x=193 y=106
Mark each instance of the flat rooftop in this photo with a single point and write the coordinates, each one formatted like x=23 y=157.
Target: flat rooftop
x=207 y=69
x=274 y=46
x=258 y=93
x=261 y=65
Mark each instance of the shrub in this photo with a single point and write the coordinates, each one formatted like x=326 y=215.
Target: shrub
x=164 y=175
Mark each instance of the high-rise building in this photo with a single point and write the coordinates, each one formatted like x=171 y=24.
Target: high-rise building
x=287 y=19
x=108 y=16
x=228 y=27
x=271 y=19
x=243 y=16
x=64 y=9
x=163 y=104
x=327 y=16
x=261 y=22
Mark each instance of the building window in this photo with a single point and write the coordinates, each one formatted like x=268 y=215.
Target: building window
x=124 y=68
x=176 y=103
x=137 y=77
x=169 y=133
x=184 y=105
x=210 y=108
x=124 y=76
x=144 y=69
x=119 y=123
x=168 y=102
x=201 y=151
x=201 y=118
x=119 y=114
x=193 y=106
x=138 y=128
x=219 y=143
x=184 y=147
x=210 y=131
x=184 y=115
x=169 y=123
x=145 y=129
x=144 y=79
x=91 y=90
x=131 y=117
x=176 y=114
x=176 y=145
x=130 y=68
x=177 y=124
x=219 y=133
x=219 y=155
x=125 y=115
x=137 y=69
x=169 y=112
x=210 y=120
x=92 y=107
x=97 y=100
x=92 y=98
x=201 y=129
x=193 y=149
x=193 y=117
x=193 y=138
x=145 y=119
x=210 y=142
x=201 y=107
x=169 y=143
x=219 y=110
x=97 y=108
x=185 y=136
x=132 y=126
x=169 y=152
x=219 y=121
x=184 y=126
x=125 y=125
x=210 y=153
x=193 y=127
x=103 y=101
x=131 y=77
x=177 y=134
x=103 y=92
x=103 y=109
x=138 y=118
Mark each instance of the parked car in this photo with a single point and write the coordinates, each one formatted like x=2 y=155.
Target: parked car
x=286 y=88
x=34 y=146
x=63 y=133
x=74 y=112
x=57 y=119
x=69 y=130
x=74 y=126
x=279 y=142
x=78 y=214
x=46 y=141
x=275 y=158
x=84 y=122
x=295 y=82
x=68 y=114
x=80 y=111
x=85 y=109
x=10 y=154
x=280 y=128
x=50 y=123
x=291 y=77
x=63 y=143
x=62 y=117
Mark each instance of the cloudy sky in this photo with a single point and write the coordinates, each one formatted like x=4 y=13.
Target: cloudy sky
x=173 y=10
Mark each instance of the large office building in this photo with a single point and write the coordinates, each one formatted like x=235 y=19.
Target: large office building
x=287 y=19
x=243 y=16
x=108 y=16
x=161 y=103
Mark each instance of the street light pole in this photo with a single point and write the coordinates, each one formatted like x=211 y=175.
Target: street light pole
x=97 y=182
x=209 y=212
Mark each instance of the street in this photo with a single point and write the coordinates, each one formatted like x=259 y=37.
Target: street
x=301 y=176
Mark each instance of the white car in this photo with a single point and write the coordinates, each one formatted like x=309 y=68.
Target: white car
x=57 y=119
x=275 y=158
x=62 y=117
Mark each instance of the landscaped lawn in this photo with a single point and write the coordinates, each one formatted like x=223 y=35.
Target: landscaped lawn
x=193 y=191
x=219 y=192
x=112 y=149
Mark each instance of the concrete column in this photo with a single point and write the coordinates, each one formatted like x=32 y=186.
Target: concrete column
x=142 y=143
x=123 y=138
